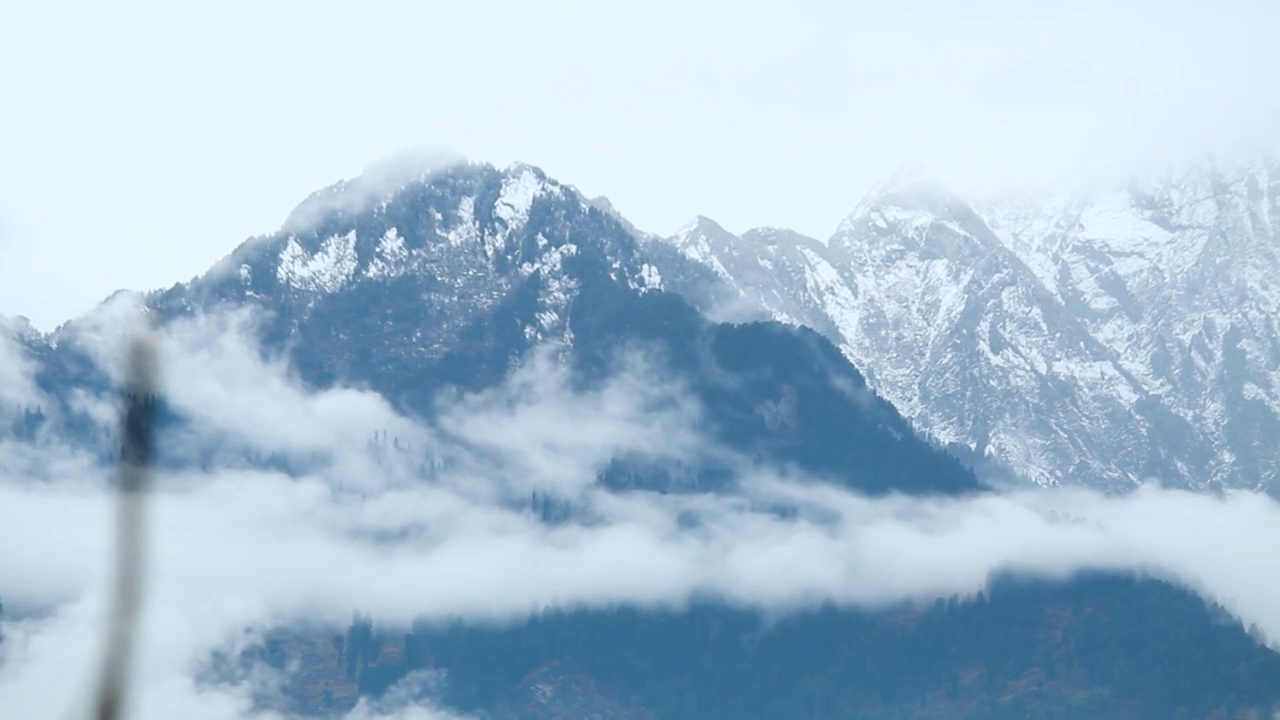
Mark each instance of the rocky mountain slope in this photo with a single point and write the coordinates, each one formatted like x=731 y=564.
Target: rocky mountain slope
x=1105 y=338
x=1102 y=338
x=450 y=281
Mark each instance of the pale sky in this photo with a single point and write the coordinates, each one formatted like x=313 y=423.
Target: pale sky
x=141 y=140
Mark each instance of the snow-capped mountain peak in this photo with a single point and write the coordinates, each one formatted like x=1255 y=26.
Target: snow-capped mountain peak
x=704 y=241
x=461 y=241
x=703 y=226
x=908 y=204
x=1100 y=337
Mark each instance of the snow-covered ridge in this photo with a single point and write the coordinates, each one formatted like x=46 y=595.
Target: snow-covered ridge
x=520 y=188
x=1102 y=337
x=391 y=256
x=336 y=261
x=458 y=241
x=327 y=270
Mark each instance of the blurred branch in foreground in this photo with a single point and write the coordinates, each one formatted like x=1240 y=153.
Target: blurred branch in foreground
x=137 y=450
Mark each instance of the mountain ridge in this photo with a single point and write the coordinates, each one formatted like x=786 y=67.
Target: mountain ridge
x=1013 y=299
x=450 y=282
x=1002 y=328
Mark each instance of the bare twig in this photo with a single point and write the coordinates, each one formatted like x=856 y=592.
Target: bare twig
x=137 y=449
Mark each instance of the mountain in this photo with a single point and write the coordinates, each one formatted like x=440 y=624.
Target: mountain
x=1177 y=275
x=447 y=282
x=1101 y=646
x=1100 y=338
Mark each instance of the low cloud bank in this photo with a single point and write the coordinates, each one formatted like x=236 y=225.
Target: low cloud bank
x=236 y=549
x=17 y=382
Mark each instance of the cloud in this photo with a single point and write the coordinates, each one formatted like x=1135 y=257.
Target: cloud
x=543 y=434
x=103 y=331
x=216 y=374
x=17 y=371
x=233 y=549
x=252 y=549
x=408 y=699
x=232 y=395
x=379 y=181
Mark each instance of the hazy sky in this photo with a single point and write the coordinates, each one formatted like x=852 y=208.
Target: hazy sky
x=141 y=140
